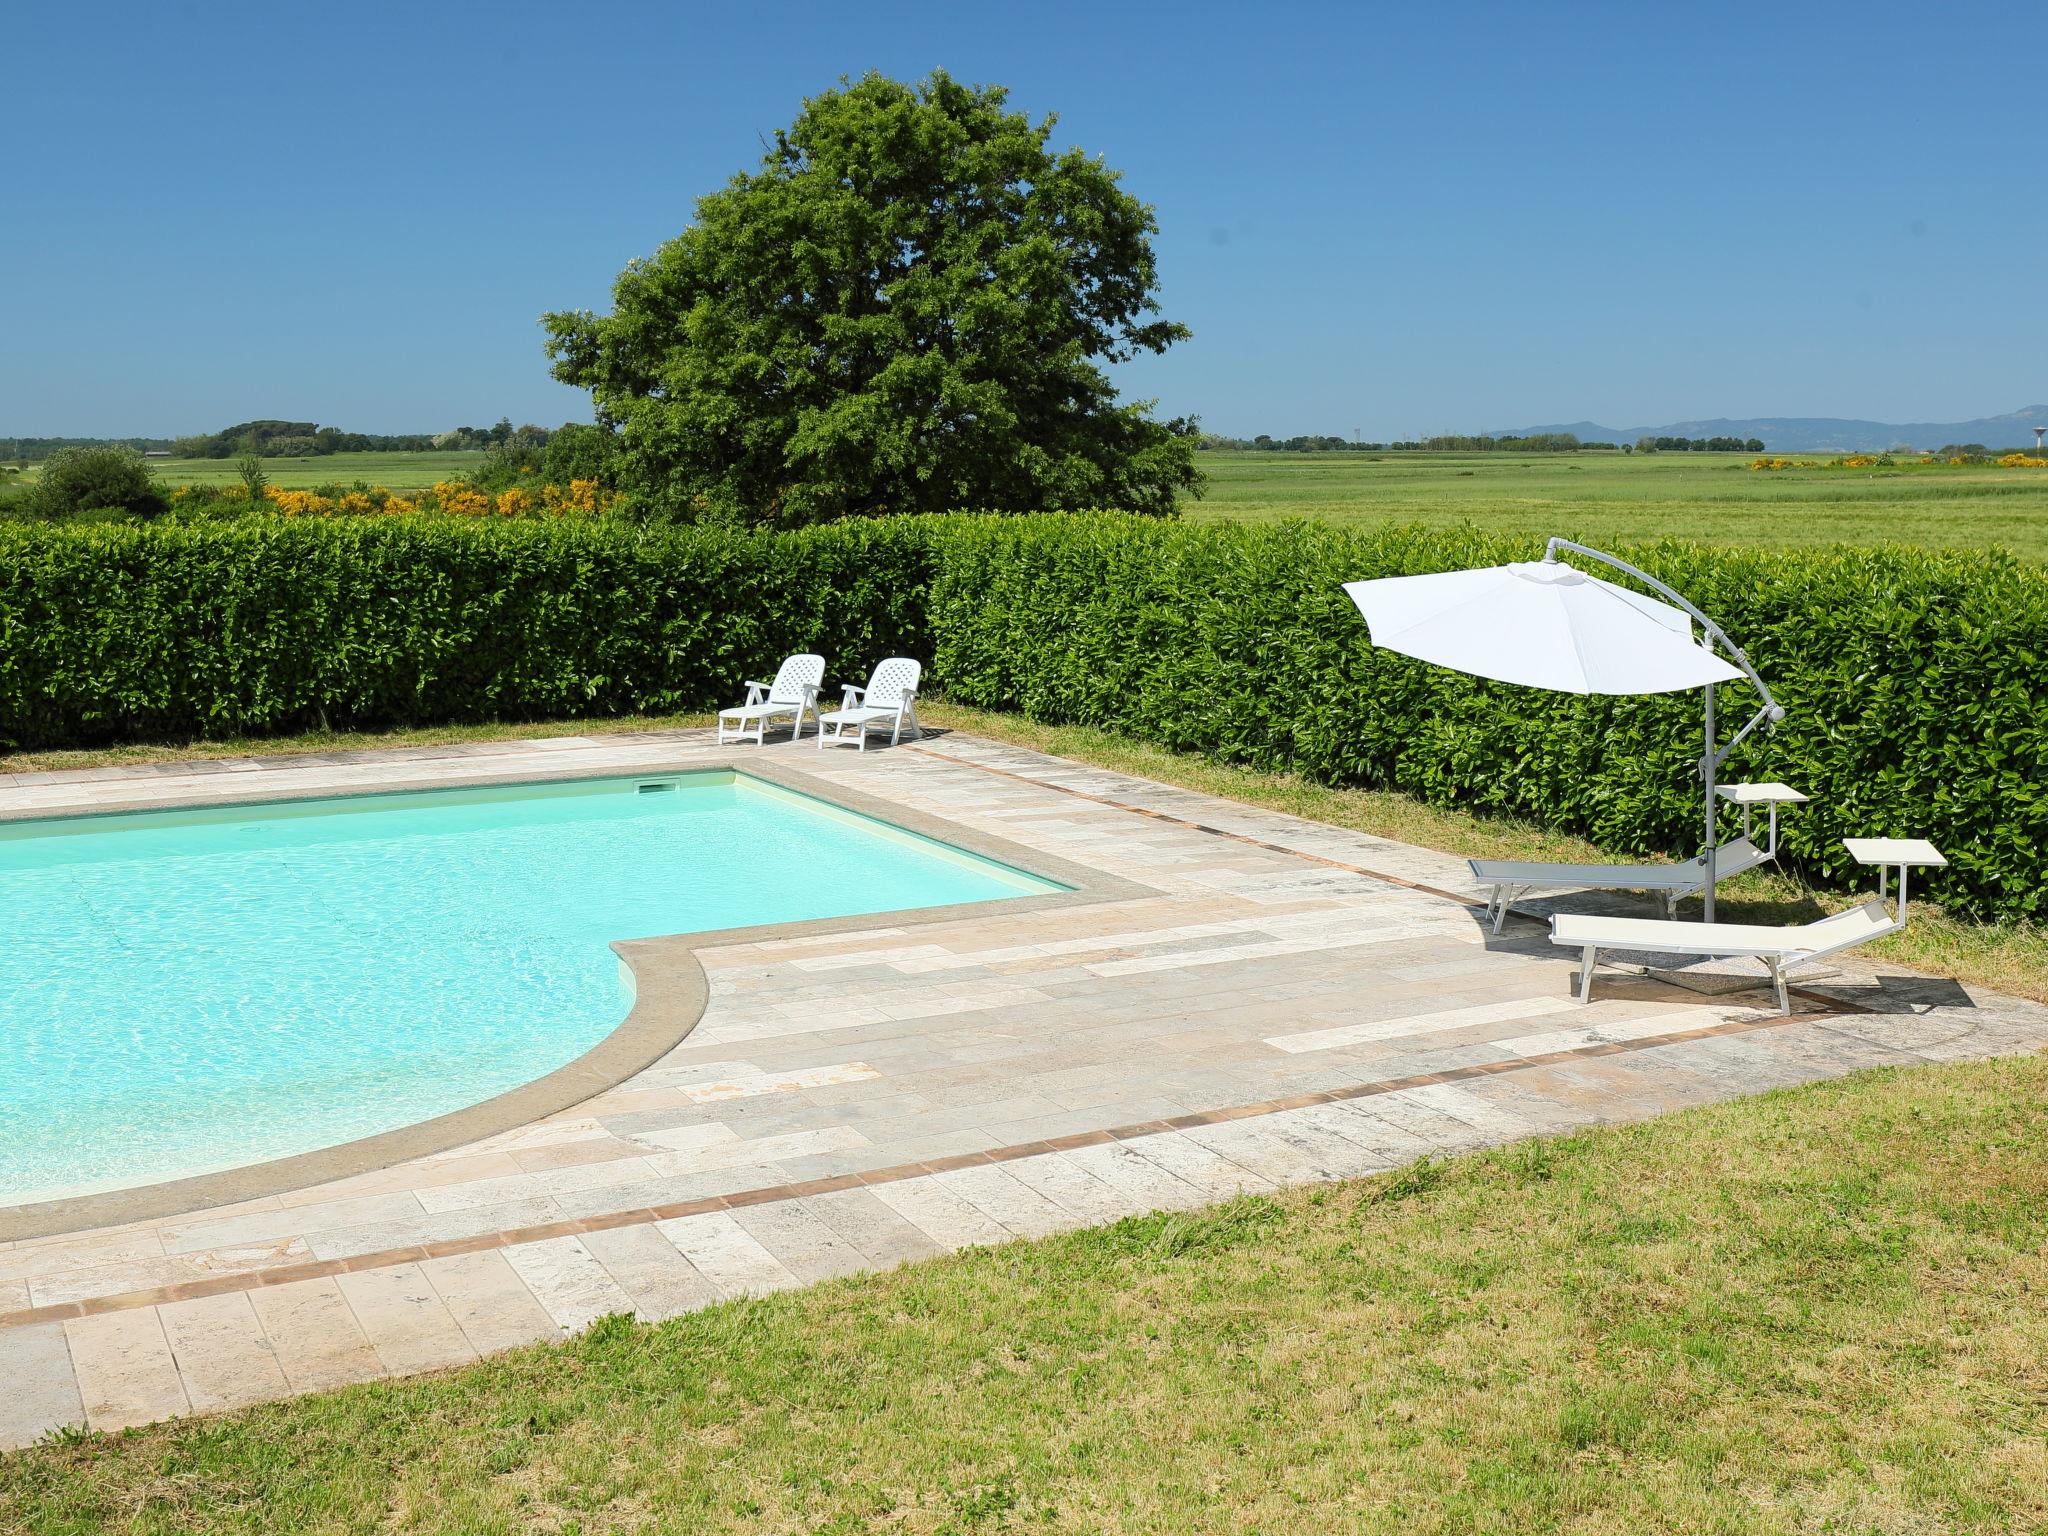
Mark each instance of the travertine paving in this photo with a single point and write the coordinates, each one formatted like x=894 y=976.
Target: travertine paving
x=1283 y=1002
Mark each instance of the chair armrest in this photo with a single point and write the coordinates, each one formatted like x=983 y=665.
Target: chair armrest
x=756 y=692
x=852 y=695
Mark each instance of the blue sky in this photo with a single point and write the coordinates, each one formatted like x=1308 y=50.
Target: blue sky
x=1393 y=219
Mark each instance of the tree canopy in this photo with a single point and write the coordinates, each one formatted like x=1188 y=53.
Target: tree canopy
x=906 y=308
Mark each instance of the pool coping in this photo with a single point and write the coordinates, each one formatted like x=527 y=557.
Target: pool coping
x=670 y=988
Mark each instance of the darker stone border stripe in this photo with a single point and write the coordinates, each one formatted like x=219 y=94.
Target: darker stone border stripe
x=440 y=1248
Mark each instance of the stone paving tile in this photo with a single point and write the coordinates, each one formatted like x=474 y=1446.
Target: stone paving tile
x=407 y=1323
x=42 y=1390
x=1395 y=1138
x=126 y=1372
x=801 y=1241
x=1139 y=1183
x=567 y=1280
x=1065 y=1183
x=314 y=1334
x=224 y=1357
x=90 y=1250
x=657 y=1279
x=727 y=1254
x=948 y=1219
x=379 y=1237
x=489 y=1301
x=1214 y=1174
x=999 y=1196
x=883 y=1236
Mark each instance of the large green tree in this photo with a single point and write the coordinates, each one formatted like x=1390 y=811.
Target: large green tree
x=906 y=308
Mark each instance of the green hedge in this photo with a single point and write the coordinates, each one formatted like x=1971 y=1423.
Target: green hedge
x=1916 y=682
x=258 y=627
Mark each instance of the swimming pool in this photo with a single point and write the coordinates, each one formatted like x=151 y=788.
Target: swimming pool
x=191 y=990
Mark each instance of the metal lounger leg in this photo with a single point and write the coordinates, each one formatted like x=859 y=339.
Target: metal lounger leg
x=1509 y=895
x=1778 y=983
x=1586 y=960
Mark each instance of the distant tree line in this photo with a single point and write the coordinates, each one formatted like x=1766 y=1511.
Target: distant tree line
x=33 y=450
x=292 y=440
x=1699 y=445
x=1535 y=442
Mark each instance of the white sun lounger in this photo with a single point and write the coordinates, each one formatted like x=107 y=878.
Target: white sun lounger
x=1777 y=948
x=891 y=695
x=1510 y=879
x=793 y=692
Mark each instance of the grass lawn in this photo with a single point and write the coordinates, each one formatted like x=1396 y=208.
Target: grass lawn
x=1815 y=1310
x=1596 y=497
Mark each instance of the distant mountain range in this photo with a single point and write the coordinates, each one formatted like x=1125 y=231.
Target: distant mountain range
x=1826 y=434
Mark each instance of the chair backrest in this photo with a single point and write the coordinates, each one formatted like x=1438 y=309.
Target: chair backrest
x=794 y=675
x=890 y=681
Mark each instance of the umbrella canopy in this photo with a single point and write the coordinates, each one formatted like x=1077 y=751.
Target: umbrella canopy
x=1542 y=624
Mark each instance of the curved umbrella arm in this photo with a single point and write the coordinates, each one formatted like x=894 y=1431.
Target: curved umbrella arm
x=1772 y=710
x=1771 y=714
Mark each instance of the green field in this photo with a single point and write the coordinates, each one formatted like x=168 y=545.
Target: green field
x=1600 y=497
x=1594 y=497
x=393 y=471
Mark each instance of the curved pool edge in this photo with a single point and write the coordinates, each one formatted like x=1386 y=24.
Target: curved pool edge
x=670 y=995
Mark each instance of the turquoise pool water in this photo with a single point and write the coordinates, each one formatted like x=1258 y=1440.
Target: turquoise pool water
x=186 y=991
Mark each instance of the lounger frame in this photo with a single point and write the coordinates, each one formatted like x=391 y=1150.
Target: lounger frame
x=1779 y=949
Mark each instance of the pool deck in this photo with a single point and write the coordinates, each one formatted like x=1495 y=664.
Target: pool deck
x=1243 y=1000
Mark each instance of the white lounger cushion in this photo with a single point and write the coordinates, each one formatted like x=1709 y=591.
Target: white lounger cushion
x=1806 y=941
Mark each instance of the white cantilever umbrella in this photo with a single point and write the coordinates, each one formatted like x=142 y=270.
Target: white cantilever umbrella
x=1545 y=624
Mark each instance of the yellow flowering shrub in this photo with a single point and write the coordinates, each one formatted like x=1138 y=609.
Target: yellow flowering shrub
x=458 y=498
x=299 y=503
x=581 y=496
x=2022 y=461
x=463 y=500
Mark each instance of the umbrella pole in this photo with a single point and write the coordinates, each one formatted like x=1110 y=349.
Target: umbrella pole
x=1707 y=777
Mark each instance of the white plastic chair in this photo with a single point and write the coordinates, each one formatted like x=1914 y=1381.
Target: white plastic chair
x=794 y=692
x=891 y=695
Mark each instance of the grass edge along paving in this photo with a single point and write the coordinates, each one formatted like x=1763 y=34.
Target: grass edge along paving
x=1817 y=1308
